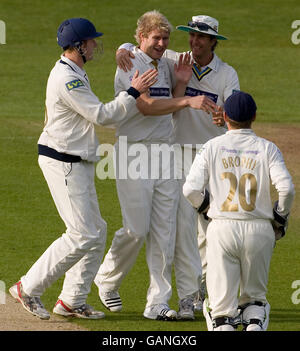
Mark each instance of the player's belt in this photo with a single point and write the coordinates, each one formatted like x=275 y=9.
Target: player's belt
x=49 y=152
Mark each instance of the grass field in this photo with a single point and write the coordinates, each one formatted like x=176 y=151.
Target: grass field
x=267 y=62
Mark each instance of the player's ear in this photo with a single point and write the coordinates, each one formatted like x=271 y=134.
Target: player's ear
x=225 y=116
x=254 y=118
x=141 y=36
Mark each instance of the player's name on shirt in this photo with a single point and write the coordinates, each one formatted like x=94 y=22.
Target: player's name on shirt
x=243 y=161
x=237 y=161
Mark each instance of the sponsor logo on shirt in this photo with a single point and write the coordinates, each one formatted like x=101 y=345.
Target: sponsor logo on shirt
x=74 y=84
x=195 y=92
x=235 y=151
x=159 y=92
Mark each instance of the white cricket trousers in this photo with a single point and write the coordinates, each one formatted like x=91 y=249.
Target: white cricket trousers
x=238 y=259
x=187 y=261
x=202 y=229
x=149 y=212
x=79 y=251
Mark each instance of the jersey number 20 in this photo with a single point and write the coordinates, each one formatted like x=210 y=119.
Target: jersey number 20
x=228 y=204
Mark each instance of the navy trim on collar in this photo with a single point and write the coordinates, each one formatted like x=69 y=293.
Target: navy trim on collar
x=65 y=63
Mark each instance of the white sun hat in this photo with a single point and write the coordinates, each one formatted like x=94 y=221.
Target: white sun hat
x=203 y=24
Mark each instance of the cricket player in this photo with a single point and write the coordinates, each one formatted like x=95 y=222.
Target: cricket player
x=148 y=204
x=67 y=152
x=237 y=169
x=211 y=77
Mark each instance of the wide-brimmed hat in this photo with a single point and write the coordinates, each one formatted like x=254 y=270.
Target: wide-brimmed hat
x=203 y=24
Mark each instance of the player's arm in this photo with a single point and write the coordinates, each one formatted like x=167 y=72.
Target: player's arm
x=149 y=106
x=156 y=107
x=82 y=100
x=282 y=181
x=196 y=181
x=124 y=56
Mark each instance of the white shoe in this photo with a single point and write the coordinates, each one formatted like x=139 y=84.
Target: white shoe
x=32 y=304
x=186 y=309
x=253 y=327
x=84 y=311
x=225 y=327
x=111 y=300
x=160 y=312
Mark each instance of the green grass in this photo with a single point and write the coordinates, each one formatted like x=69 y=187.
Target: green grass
x=259 y=48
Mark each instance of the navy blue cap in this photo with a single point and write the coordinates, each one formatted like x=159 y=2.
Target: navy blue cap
x=74 y=30
x=240 y=106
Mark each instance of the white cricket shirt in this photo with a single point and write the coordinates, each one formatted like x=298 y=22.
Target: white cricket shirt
x=195 y=126
x=72 y=109
x=237 y=169
x=136 y=126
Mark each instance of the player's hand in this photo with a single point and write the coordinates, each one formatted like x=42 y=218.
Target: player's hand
x=279 y=223
x=218 y=118
x=123 y=59
x=143 y=82
x=202 y=102
x=183 y=69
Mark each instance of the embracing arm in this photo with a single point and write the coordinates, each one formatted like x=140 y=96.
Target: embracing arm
x=156 y=107
x=83 y=101
x=124 y=55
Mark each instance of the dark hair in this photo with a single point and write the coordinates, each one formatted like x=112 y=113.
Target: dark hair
x=240 y=125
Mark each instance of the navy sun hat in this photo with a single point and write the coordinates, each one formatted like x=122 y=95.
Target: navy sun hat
x=240 y=107
x=74 y=30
